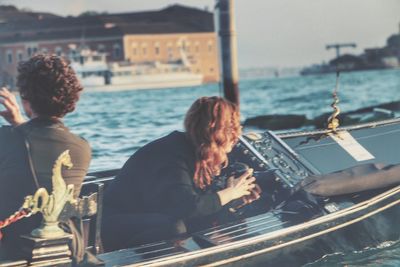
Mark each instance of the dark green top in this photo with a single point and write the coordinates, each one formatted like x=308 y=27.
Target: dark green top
x=48 y=139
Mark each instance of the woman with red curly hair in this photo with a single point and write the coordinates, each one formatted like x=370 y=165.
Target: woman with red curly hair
x=165 y=184
x=49 y=89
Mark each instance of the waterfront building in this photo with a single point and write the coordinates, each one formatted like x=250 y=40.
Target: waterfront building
x=174 y=33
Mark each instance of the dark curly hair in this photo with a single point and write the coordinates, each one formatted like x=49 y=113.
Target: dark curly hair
x=49 y=84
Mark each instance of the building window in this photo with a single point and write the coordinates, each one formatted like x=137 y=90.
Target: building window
x=20 y=56
x=210 y=46
x=170 y=53
x=211 y=69
x=184 y=46
x=31 y=50
x=9 y=57
x=58 y=51
x=44 y=51
x=117 y=51
x=144 y=48
x=197 y=49
x=134 y=46
x=156 y=48
x=179 y=47
x=101 y=48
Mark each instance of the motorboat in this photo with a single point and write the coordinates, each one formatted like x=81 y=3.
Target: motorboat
x=96 y=74
x=294 y=223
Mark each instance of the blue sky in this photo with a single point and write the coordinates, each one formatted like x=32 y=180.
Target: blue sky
x=272 y=32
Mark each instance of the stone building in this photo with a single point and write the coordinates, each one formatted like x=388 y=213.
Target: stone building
x=163 y=35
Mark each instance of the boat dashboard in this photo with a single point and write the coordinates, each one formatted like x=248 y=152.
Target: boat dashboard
x=280 y=163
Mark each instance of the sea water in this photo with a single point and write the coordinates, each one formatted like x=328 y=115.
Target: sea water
x=118 y=123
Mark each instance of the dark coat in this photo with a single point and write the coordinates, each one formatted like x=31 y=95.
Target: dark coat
x=158 y=178
x=47 y=139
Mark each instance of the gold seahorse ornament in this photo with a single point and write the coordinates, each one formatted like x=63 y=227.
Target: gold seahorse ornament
x=52 y=205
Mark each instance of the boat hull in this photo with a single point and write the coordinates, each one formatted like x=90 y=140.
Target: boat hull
x=300 y=229
x=346 y=230
x=145 y=85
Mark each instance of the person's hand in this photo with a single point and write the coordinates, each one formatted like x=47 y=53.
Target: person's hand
x=238 y=187
x=12 y=112
x=242 y=185
x=254 y=195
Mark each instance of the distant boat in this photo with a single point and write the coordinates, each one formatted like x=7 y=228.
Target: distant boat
x=317 y=69
x=96 y=74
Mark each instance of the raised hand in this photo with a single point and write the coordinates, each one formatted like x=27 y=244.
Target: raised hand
x=12 y=112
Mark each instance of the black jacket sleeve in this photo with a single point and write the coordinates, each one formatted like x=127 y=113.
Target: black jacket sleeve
x=183 y=200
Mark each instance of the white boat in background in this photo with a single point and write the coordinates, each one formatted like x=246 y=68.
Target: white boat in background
x=96 y=74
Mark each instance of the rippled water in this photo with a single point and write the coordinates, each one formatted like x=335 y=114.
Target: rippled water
x=387 y=254
x=118 y=123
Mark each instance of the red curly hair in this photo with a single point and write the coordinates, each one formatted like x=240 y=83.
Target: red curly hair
x=212 y=124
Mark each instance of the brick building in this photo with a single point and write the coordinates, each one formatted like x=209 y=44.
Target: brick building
x=161 y=35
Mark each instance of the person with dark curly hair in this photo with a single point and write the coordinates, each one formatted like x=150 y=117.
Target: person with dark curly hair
x=49 y=89
x=164 y=189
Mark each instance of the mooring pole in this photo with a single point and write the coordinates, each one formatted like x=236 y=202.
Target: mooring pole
x=228 y=45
